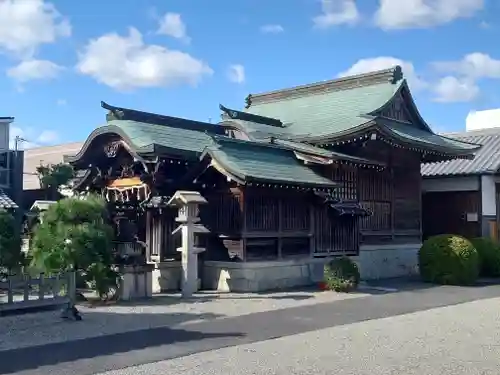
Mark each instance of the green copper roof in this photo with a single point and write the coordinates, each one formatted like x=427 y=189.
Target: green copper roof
x=428 y=140
x=256 y=161
x=147 y=138
x=327 y=113
x=347 y=107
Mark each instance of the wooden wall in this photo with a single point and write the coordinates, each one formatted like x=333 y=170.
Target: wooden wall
x=258 y=224
x=159 y=227
x=392 y=195
x=446 y=213
x=250 y=223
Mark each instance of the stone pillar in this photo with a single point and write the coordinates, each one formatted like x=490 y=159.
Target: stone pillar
x=189 y=227
x=136 y=282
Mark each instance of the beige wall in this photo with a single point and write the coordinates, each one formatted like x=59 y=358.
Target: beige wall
x=34 y=157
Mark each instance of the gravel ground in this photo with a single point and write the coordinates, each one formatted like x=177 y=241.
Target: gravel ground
x=455 y=340
x=162 y=311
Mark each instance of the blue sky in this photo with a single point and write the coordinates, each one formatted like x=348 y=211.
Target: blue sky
x=59 y=59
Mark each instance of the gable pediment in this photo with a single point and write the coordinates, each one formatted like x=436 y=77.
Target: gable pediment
x=402 y=108
x=397 y=110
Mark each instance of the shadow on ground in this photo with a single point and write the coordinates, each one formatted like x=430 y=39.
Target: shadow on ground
x=32 y=357
x=166 y=299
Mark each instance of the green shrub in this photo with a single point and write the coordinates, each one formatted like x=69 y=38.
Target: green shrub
x=341 y=275
x=489 y=256
x=448 y=259
x=75 y=234
x=11 y=256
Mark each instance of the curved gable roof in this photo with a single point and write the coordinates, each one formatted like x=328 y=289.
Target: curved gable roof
x=146 y=138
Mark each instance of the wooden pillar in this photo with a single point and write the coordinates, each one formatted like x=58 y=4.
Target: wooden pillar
x=312 y=230
x=280 y=228
x=149 y=235
x=154 y=236
x=243 y=194
x=160 y=243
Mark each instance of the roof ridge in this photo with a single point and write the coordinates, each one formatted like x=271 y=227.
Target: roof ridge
x=392 y=75
x=127 y=114
x=232 y=114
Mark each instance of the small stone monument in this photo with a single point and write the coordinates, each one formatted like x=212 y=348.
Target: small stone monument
x=189 y=227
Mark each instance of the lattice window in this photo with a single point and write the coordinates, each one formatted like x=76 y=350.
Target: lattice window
x=347 y=177
x=295 y=214
x=375 y=192
x=262 y=213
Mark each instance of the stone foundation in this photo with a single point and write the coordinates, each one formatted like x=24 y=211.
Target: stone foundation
x=259 y=276
x=381 y=262
x=166 y=276
x=375 y=262
x=136 y=282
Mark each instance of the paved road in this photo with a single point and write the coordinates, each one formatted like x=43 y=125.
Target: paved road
x=457 y=340
x=95 y=355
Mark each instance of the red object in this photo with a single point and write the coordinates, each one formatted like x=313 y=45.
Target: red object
x=322 y=285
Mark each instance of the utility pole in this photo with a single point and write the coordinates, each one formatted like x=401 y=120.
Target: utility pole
x=17 y=140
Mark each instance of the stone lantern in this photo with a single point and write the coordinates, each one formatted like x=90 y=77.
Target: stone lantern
x=189 y=227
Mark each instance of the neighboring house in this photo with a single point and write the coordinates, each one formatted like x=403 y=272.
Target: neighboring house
x=11 y=166
x=33 y=158
x=462 y=196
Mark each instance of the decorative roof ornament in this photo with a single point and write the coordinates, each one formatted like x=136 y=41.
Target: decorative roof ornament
x=248 y=101
x=244 y=116
x=397 y=74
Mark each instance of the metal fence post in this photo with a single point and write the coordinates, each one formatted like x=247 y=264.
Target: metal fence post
x=10 y=290
x=27 y=287
x=41 y=287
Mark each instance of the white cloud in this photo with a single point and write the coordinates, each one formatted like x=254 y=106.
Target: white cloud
x=30 y=138
x=272 y=29
x=236 y=73
x=386 y=62
x=473 y=66
x=27 y=24
x=126 y=62
x=451 y=89
x=47 y=137
x=29 y=70
x=171 y=24
x=398 y=14
x=337 y=12
x=461 y=81
x=61 y=102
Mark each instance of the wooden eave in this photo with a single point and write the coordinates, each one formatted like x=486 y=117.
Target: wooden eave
x=376 y=128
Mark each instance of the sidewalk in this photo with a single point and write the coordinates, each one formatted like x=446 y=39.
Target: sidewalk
x=167 y=310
